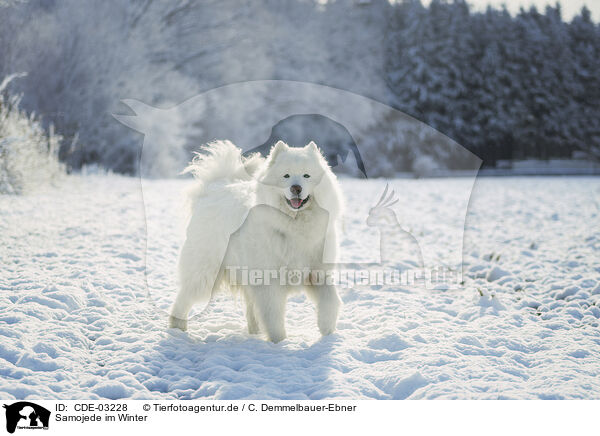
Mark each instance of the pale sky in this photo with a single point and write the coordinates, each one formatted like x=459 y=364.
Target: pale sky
x=569 y=7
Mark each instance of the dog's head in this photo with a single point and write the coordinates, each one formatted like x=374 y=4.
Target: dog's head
x=295 y=174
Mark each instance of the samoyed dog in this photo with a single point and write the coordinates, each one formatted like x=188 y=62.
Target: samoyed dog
x=261 y=228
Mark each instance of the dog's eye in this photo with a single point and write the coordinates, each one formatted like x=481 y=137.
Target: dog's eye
x=306 y=176
x=286 y=176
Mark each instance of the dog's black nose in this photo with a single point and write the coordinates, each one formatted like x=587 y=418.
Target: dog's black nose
x=296 y=189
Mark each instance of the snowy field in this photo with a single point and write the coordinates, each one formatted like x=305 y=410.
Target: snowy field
x=77 y=319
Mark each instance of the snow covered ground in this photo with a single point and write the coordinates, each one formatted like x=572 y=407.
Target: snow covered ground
x=77 y=319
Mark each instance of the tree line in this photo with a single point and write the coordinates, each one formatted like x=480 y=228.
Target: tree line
x=505 y=87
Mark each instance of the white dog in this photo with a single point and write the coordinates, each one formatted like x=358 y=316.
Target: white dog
x=264 y=228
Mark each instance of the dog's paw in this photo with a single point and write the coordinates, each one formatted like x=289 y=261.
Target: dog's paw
x=326 y=327
x=275 y=338
x=327 y=331
x=177 y=323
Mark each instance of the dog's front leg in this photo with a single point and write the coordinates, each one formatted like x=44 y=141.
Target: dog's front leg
x=251 y=318
x=328 y=305
x=269 y=309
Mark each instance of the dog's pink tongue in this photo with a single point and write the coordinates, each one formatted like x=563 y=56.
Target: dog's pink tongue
x=296 y=202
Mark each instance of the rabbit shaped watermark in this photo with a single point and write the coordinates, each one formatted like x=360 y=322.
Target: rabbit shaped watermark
x=396 y=245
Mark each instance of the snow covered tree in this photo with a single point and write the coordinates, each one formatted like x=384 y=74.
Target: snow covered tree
x=503 y=87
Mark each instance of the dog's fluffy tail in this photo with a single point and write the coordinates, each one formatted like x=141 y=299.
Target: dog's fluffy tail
x=222 y=161
x=218 y=161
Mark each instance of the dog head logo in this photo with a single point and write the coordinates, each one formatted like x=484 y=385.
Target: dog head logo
x=355 y=134
x=333 y=139
x=26 y=415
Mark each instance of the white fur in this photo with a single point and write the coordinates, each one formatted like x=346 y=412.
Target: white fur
x=242 y=215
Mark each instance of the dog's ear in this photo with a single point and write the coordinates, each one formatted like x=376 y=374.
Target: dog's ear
x=316 y=151
x=276 y=149
x=313 y=147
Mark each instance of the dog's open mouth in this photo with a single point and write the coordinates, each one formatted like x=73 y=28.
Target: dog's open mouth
x=297 y=203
